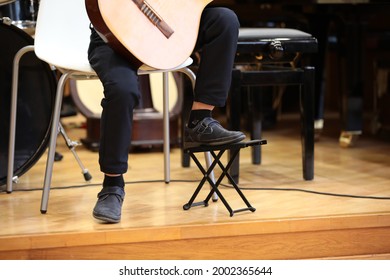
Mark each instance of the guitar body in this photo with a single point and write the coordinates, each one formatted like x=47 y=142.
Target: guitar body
x=159 y=33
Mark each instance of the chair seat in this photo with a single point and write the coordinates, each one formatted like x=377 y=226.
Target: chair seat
x=78 y=62
x=146 y=69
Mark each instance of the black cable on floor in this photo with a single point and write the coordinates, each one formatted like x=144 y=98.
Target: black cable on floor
x=224 y=185
x=99 y=184
x=312 y=192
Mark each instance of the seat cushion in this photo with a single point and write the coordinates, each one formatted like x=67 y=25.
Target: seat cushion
x=254 y=33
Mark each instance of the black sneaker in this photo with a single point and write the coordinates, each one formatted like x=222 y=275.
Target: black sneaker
x=210 y=132
x=108 y=208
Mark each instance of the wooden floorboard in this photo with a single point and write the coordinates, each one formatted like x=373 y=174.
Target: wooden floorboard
x=343 y=213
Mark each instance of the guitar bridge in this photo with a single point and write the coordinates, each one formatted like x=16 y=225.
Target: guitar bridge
x=154 y=18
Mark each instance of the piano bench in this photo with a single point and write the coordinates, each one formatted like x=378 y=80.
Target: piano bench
x=267 y=57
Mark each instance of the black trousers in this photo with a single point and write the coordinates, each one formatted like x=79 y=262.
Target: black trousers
x=216 y=43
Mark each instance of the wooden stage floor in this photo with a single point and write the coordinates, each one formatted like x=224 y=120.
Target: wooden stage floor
x=344 y=213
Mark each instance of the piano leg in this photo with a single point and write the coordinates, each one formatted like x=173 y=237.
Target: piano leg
x=352 y=101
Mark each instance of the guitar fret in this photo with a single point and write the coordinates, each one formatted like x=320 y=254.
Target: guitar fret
x=155 y=20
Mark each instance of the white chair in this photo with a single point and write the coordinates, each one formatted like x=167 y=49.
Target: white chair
x=61 y=40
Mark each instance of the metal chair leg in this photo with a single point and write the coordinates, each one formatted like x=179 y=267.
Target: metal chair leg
x=53 y=141
x=12 y=129
x=53 y=136
x=166 y=127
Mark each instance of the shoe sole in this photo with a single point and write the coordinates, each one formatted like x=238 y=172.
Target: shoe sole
x=105 y=218
x=188 y=145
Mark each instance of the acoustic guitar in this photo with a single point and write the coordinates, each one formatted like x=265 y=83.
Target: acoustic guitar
x=159 y=33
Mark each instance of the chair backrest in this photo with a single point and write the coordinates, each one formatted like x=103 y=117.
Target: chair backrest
x=62 y=34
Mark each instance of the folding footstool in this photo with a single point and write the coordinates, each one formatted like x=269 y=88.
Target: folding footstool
x=234 y=150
